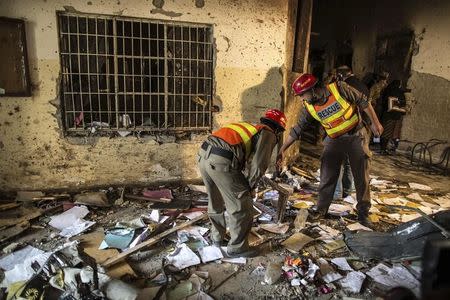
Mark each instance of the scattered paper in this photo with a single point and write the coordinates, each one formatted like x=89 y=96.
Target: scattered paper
x=210 y=253
x=339 y=210
x=415 y=196
x=350 y=199
x=183 y=257
x=119 y=238
x=235 y=260
x=17 y=265
x=398 y=275
x=379 y=182
x=158 y=194
x=443 y=201
x=358 y=226
x=296 y=242
x=265 y=218
x=374 y=218
x=330 y=277
x=78 y=227
x=327 y=234
x=426 y=209
x=276 y=228
x=410 y=217
x=394 y=201
x=342 y=264
x=192 y=215
x=312 y=270
x=418 y=186
x=334 y=245
x=69 y=217
x=396 y=217
x=295 y=282
x=302 y=204
x=156 y=216
x=353 y=281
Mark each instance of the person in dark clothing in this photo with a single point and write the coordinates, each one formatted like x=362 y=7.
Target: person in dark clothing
x=344 y=73
x=393 y=105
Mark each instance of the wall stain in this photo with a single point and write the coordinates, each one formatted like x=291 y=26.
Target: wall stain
x=170 y=14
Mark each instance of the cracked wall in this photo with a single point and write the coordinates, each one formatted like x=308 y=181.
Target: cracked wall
x=250 y=37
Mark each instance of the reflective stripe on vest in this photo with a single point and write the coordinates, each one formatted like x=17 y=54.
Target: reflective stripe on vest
x=239 y=134
x=337 y=115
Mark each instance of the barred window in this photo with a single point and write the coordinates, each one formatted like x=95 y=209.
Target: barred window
x=128 y=74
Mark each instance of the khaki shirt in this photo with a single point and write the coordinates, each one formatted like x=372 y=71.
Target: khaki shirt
x=263 y=144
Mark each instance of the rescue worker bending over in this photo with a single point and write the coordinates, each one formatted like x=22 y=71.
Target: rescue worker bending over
x=338 y=107
x=222 y=158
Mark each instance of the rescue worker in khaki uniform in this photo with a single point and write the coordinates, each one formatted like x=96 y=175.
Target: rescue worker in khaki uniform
x=338 y=108
x=222 y=159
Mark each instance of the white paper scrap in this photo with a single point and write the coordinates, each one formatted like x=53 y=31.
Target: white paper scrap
x=183 y=257
x=342 y=264
x=418 y=186
x=210 y=253
x=339 y=210
x=18 y=264
x=352 y=282
x=192 y=215
x=69 y=217
x=330 y=277
x=358 y=226
x=77 y=227
x=350 y=199
x=398 y=275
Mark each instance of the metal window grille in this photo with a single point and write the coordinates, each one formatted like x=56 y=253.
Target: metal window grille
x=134 y=74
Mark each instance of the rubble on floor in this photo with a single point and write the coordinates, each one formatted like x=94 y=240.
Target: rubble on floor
x=134 y=243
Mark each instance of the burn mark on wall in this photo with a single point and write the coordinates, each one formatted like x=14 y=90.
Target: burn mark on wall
x=171 y=14
x=199 y=3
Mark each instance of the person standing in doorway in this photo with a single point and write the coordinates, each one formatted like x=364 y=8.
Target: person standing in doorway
x=393 y=104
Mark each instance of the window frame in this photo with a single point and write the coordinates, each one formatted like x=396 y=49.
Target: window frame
x=209 y=35
x=26 y=92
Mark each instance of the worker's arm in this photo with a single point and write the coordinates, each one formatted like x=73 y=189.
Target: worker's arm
x=263 y=151
x=356 y=97
x=295 y=134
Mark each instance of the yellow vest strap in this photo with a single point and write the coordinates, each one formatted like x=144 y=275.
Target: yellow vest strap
x=246 y=138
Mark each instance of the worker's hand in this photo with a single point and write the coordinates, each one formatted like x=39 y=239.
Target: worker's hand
x=377 y=129
x=253 y=193
x=279 y=163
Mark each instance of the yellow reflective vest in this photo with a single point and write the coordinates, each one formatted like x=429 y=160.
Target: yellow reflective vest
x=337 y=115
x=240 y=133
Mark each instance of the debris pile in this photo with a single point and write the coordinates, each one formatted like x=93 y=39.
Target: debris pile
x=145 y=243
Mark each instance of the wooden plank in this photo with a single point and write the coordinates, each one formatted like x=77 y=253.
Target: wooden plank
x=13 y=221
x=142 y=198
x=11 y=232
x=90 y=243
x=152 y=241
x=7 y=206
x=300 y=172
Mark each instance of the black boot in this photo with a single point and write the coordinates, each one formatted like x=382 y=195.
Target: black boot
x=364 y=220
x=249 y=252
x=316 y=214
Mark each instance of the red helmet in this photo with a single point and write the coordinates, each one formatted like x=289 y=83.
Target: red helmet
x=303 y=83
x=277 y=116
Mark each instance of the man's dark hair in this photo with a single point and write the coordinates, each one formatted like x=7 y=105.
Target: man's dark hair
x=344 y=70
